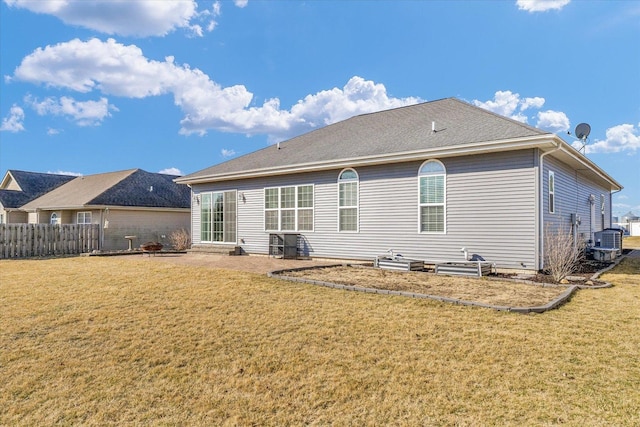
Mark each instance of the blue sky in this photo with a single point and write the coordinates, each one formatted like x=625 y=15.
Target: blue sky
x=177 y=86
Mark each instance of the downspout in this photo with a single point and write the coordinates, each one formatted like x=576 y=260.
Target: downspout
x=101 y=245
x=611 y=193
x=541 y=205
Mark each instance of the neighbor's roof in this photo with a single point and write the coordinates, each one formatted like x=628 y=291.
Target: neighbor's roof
x=129 y=188
x=20 y=187
x=400 y=130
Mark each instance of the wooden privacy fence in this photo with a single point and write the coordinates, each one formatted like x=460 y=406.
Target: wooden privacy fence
x=30 y=240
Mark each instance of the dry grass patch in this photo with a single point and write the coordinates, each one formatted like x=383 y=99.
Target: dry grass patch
x=625 y=273
x=631 y=242
x=484 y=290
x=105 y=341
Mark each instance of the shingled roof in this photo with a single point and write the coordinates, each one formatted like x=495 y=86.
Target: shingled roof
x=379 y=135
x=20 y=187
x=130 y=188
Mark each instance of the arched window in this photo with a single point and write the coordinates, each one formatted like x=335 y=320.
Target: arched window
x=54 y=219
x=432 y=181
x=348 y=200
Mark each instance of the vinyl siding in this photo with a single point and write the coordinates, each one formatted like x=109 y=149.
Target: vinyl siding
x=145 y=225
x=490 y=210
x=15 y=217
x=572 y=196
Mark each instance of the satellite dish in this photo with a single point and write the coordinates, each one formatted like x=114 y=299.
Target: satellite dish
x=582 y=131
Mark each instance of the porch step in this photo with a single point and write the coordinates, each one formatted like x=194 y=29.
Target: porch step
x=216 y=250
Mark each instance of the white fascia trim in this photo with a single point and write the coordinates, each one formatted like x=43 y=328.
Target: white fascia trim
x=102 y=207
x=141 y=208
x=568 y=149
x=475 y=148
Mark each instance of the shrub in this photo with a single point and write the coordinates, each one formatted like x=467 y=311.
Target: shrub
x=180 y=239
x=562 y=255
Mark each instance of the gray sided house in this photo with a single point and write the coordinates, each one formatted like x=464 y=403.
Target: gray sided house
x=133 y=202
x=424 y=181
x=20 y=187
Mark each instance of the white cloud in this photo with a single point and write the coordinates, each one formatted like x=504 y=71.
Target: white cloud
x=509 y=104
x=59 y=172
x=216 y=11
x=52 y=131
x=536 y=102
x=217 y=8
x=149 y=17
x=553 y=121
x=622 y=197
x=541 y=5
x=14 y=121
x=128 y=18
x=84 y=113
x=115 y=69
x=619 y=138
x=358 y=96
x=171 y=171
x=227 y=152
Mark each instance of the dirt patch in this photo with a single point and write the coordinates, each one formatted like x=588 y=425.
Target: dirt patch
x=483 y=290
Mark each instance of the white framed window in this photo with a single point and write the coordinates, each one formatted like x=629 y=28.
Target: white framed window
x=305 y=208
x=218 y=216
x=271 y=211
x=83 y=218
x=55 y=219
x=552 y=192
x=288 y=208
x=432 y=178
x=348 y=212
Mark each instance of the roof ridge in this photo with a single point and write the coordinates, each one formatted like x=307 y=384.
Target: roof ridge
x=398 y=108
x=128 y=175
x=512 y=120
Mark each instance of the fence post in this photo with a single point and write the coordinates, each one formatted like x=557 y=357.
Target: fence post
x=28 y=240
x=3 y=244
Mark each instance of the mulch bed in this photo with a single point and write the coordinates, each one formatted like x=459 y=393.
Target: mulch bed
x=586 y=270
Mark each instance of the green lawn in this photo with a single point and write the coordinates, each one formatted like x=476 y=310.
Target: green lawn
x=108 y=341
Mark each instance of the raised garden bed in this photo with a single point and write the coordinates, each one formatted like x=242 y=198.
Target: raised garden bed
x=462 y=268
x=399 y=263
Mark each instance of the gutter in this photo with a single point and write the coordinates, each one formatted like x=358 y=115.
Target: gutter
x=589 y=165
x=611 y=193
x=460 y=150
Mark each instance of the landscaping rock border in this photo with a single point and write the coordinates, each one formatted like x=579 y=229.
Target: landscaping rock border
x=557 y=302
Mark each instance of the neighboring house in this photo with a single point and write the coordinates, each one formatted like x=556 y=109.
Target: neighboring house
x=424 y=181
x=133 y=202
x=20 y=187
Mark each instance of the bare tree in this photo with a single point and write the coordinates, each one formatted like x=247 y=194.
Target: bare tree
x=562 y=255
x=180 y=239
